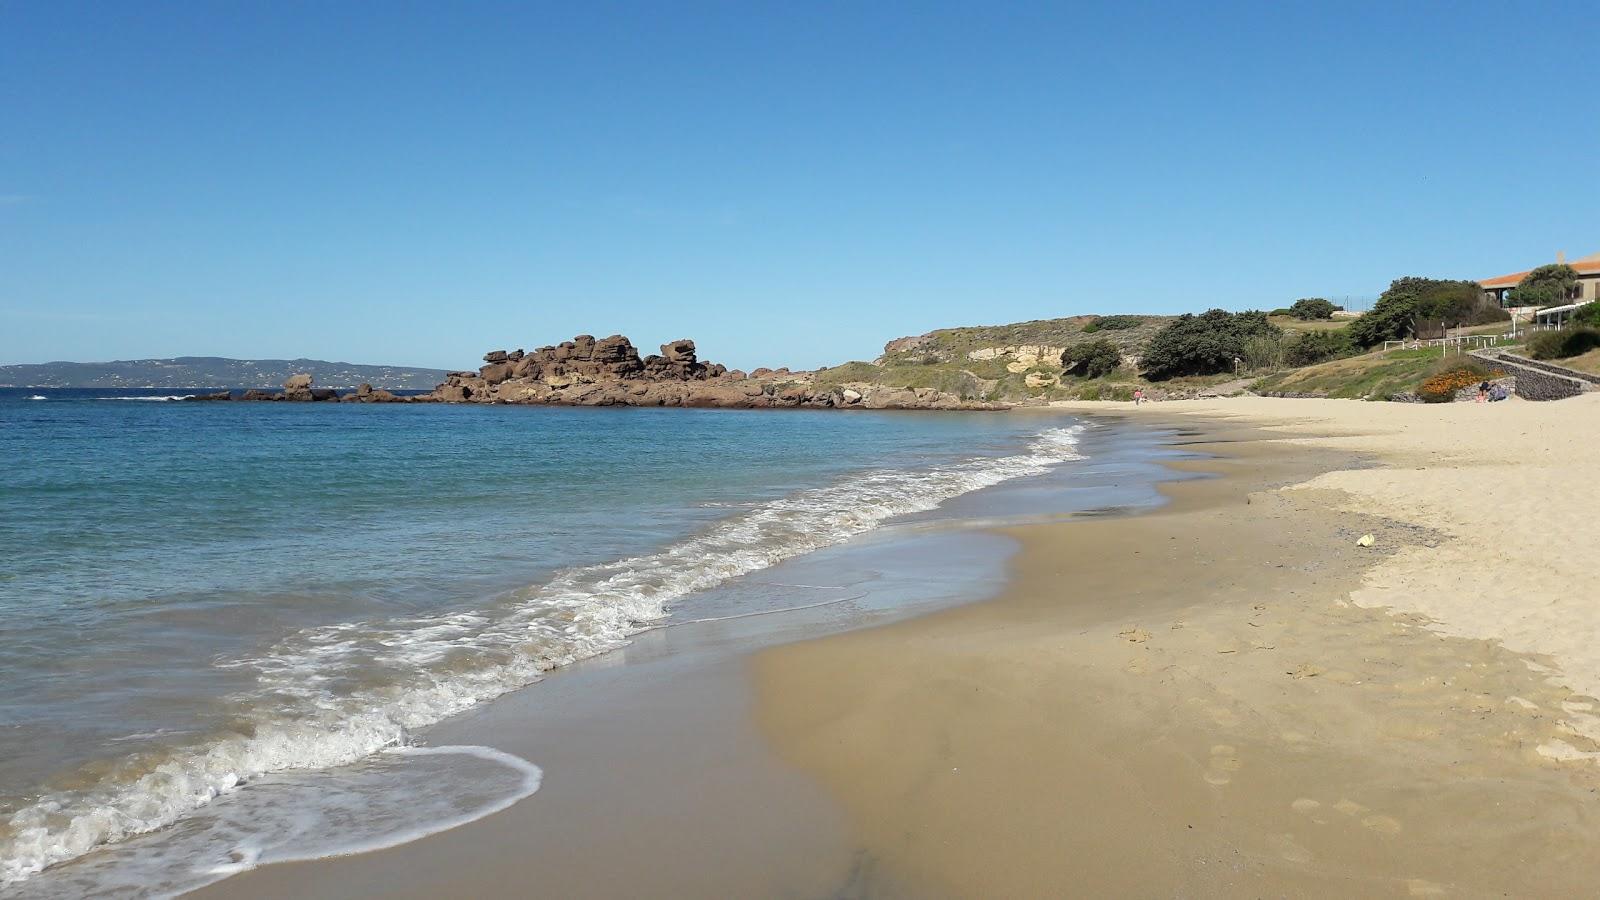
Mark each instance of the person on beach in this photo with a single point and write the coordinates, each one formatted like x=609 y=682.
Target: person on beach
x=1483 y=392
x=1138 y=396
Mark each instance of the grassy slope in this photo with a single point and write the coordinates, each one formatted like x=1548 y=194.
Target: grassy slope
x=1373 y=375
x=1588 y=362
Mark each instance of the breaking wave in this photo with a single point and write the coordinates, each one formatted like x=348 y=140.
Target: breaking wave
x=333 y=695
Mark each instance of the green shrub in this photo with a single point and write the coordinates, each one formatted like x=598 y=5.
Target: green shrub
x=1281 y=311
x=1563 y=344
x=1317 y=346
x=1112 y=323
x=1265 y=352
x=1203 y=345
x=1587 y=314
x=1094 y=359
x=1310 y=308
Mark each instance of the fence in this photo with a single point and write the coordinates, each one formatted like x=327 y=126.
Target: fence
x=1462 y=343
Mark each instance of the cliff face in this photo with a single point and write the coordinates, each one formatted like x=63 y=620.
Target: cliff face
x=610 y=372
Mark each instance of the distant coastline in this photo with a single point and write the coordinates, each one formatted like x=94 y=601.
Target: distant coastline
x=214 y=373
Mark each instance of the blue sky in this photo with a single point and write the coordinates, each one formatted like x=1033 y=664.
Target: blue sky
x=787 y=184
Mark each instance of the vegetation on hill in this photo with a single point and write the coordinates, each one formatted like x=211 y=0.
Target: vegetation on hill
x=1305 y=350
x=1411 y=300
x=1112 y=323
x=1205 y=344
x=953 y=344
x=1310 y=308
x=1545 y=286
x=1095 y=359
x=1563 y=344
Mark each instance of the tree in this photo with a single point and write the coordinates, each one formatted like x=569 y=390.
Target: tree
x=1549 y=285
x=1411 y=299
x=1316 y=346
x=1311 y=308
x=1092 y=359
x=1205 y=344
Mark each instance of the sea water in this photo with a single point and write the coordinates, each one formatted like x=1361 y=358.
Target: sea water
x=209 y=611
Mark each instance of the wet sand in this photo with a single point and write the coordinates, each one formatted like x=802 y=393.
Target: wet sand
x=1187 y=703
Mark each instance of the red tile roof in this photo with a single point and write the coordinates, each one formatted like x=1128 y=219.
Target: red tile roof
x=1588 y=265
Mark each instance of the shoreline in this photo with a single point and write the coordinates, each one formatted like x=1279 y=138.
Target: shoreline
x=1093 y=730
x=1079 y=726
x=588 y=716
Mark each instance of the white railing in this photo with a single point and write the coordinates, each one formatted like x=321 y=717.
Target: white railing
x=1460 y=343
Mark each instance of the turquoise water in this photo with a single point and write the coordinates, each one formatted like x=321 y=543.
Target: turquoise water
x=195 y=597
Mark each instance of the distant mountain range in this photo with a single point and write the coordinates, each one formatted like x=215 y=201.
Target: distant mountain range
x=214 y=372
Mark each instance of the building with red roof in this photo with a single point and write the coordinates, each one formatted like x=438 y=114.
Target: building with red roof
x=1585 y=291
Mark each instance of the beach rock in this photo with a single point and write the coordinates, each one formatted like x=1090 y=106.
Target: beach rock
x=496 y=372
x=680 y=351
x=609 y=371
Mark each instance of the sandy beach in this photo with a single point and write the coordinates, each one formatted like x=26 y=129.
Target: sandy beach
x=1232 y=695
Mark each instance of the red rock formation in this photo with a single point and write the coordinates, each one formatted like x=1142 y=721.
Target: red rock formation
x=609 y=372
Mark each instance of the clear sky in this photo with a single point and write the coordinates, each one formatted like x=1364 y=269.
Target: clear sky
x=788 y=184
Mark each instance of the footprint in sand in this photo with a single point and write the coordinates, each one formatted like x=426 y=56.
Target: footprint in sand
x=1223 y=716
x=1382 y=824
x=1421 y=887
x=1284 y=846
x=1349 y=807
x=1311 y=809
x=1223 y=761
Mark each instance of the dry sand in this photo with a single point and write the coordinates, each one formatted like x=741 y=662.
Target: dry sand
x=1230 y=696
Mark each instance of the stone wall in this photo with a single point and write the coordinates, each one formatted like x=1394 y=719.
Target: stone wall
x=1533 y=383
x=1552 y=368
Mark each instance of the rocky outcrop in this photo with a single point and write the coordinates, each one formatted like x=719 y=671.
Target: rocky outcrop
x=586 y=371
x=366 y=393
x=300 y=388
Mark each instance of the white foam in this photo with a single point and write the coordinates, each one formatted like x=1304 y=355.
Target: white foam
x=148 y=399
x=38 y=397
x=412 y=672
x=395 y=798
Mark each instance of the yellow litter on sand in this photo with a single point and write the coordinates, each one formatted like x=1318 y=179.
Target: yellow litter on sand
x=1366 y=540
